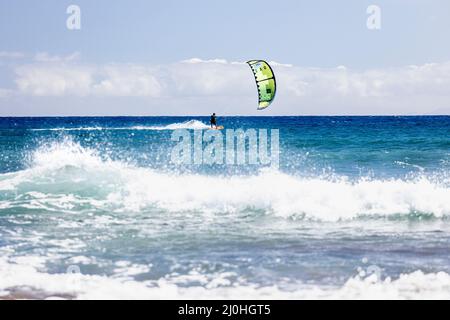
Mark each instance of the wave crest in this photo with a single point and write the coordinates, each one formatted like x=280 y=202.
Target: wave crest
x=68 y=168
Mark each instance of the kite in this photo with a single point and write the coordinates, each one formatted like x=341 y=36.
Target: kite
x=265 y=81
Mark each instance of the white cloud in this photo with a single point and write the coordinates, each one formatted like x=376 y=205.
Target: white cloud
x=301 y=90
x=208 y=78
x=11 y=54
x=428 y=79
x=46 y=57
x=278 y=64
x=59 y=79
x=128 y=80
x=5 y=92
x=54 y=80
x=197 y=60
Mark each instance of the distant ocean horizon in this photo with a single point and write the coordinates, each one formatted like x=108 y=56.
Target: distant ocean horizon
x=93 y=207
x=225 y=115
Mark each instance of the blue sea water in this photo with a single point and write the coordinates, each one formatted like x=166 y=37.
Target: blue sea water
x=94 y=207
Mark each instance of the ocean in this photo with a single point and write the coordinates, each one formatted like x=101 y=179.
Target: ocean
x=94 y=207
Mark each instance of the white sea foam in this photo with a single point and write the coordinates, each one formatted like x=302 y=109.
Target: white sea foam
x=190 y=124
x=92 y=181
x=24 y=279
x=75 y=129
x=132 y=189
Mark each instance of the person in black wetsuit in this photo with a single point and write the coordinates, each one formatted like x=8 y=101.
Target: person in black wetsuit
x=213 y=121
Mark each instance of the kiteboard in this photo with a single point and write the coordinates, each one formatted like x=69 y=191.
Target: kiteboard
x=218 y=128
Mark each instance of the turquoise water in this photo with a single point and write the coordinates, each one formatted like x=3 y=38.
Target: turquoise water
x=94 y=207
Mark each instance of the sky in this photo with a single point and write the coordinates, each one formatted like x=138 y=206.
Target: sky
x=146 y=57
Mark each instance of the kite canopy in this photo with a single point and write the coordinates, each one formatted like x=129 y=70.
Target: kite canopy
x=265 y=80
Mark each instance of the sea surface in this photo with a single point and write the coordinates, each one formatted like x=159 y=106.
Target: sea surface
x=94 y=207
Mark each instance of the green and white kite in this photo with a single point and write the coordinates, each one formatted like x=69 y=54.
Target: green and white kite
x=265 y=80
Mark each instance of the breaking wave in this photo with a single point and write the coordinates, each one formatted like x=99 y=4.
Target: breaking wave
x=66 y=175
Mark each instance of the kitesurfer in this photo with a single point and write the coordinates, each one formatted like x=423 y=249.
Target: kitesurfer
x=213 y=121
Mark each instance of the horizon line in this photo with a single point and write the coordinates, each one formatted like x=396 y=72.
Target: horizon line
x=224 y=116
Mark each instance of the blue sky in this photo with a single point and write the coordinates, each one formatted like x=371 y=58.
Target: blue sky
x=142 y=43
